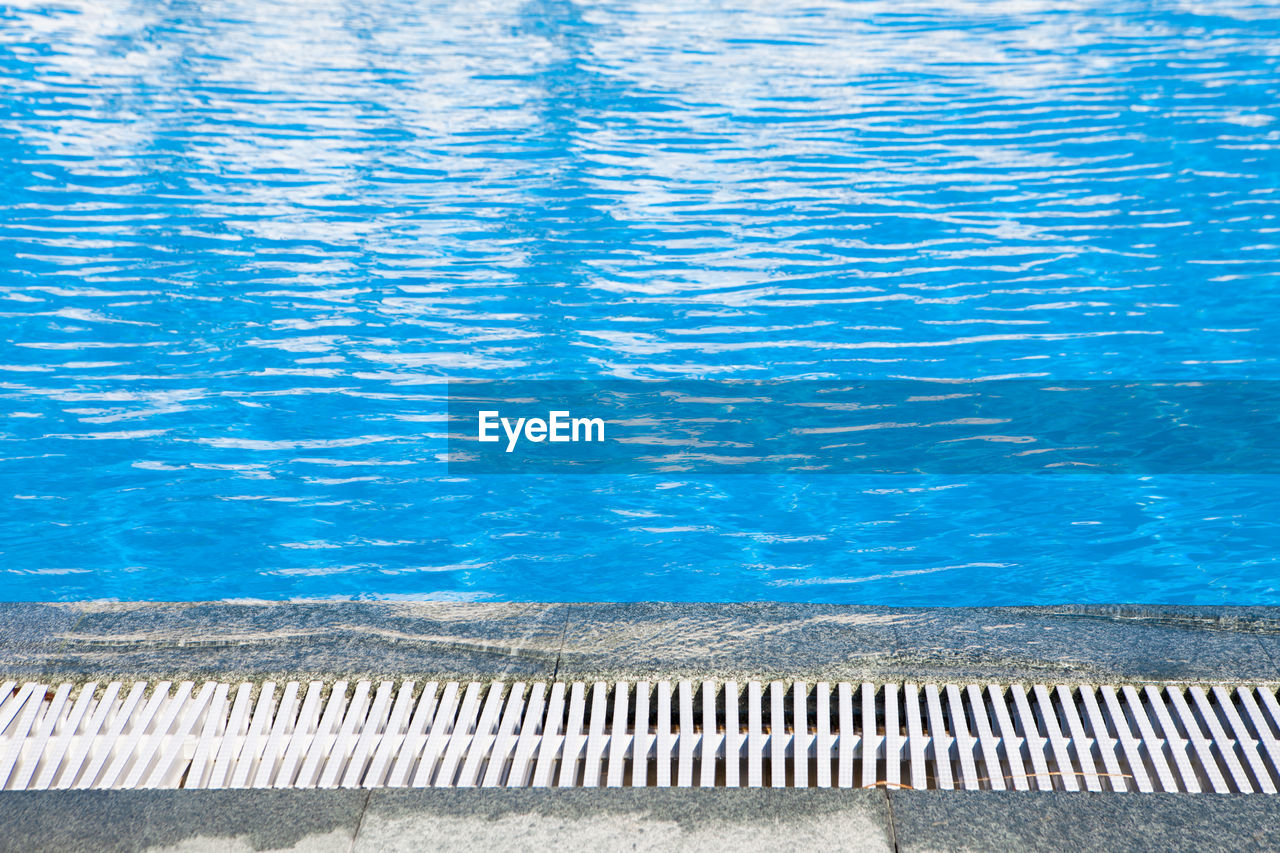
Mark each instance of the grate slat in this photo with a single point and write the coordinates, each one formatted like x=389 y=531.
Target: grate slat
x=732 y=737
x=345 y=741
x=527 y=743
x=665 y=740
x=456 y=735
x=597 y=742
x=800 y=736
x=870 y=742
x=617 y=752
x=893 y=740
x=7 y=711
x=392 y=738
x=214 y=726
x=825 y=741
x=1096 y=738
x=777 y=735
x=574 y=738
x=322 y=736
x=504 y=742
x=273 y=753
x=440 y=727
x=371 y=733
x=940 y=743
x=233 y=742
x=11 y=703
x=552 y=738
x=915 y=737
x=965 y=741
x=302 y=732
x=848 y=738
x=686 y=739
x=259 y=728
x=641 y=738
x=755 y=738
x=711 y=738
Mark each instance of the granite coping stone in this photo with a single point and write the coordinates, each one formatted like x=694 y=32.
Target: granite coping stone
x=929 y=821
x=129 y=821
x=79 y=641
x=581 y=819
x=327 y=640
x=30 y=633
x=1037 y=645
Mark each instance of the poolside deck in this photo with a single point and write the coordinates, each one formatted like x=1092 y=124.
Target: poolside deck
x=258 y=641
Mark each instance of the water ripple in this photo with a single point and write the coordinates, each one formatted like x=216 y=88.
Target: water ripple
x=244 y=243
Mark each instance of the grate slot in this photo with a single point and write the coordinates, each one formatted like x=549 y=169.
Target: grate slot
x=1224 y=739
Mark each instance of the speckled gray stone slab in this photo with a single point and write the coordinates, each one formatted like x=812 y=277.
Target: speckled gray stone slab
x=591 y=820
x=578 y=819
x=633 y=641
x=1082 y=644
x=847 y=642
x=671 y=640
x=928 y=821
x=234 y=640
x=31 y=634
x=192 y=821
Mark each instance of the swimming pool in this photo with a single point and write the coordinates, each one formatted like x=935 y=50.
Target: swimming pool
x=244 y=245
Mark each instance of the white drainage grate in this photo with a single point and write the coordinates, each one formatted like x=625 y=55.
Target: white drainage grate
x=970 y=737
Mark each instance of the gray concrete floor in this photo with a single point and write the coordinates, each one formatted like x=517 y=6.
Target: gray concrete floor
x=630 y=819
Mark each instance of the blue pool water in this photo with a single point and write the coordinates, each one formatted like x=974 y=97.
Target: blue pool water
x=243 y=244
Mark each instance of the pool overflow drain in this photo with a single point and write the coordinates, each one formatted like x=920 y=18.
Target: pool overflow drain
x=1192 y=738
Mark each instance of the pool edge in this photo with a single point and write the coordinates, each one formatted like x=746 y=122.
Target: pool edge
x=255 y=641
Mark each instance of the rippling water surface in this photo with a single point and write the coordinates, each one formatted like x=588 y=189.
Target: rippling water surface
x=243 y=245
